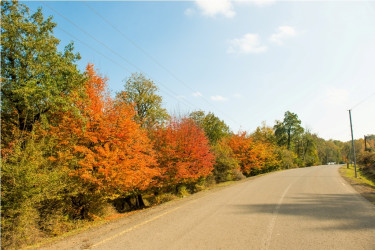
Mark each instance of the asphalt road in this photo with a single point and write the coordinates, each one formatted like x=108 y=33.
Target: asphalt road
x=307 y=208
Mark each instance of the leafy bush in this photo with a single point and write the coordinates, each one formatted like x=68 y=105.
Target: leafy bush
x=39 y=197
x=202 y=183
x=165 y=197
x=225 y=163
x=288 y=158
x=33 y=193
x=182 y=191
x=367 y=161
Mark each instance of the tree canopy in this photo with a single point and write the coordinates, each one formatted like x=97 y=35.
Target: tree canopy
x=142 y=93
x=214 y=128
x=183 y=152
x=111 y=151
x=288 y=131
x=35 y=76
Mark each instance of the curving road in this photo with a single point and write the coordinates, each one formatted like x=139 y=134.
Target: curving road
x=307 y=208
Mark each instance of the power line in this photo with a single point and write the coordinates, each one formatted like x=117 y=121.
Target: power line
x=363 y=100
x=93 y=37
x=95 y=50
x=114 y=52
x=153 y=59
x=108 y=58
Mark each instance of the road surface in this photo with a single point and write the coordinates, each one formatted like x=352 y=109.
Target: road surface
x=307 y=208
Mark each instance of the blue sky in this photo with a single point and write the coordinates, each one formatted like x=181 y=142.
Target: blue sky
x=247 y=62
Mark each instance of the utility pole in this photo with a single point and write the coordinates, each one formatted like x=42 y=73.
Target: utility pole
x=353 y=148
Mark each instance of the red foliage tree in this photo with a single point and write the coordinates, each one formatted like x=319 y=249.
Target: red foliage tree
x=183 y=152
x=103 y=144
x=254 y=157
x=243 y=150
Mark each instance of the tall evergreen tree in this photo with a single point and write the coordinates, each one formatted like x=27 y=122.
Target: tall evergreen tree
x=289 y=130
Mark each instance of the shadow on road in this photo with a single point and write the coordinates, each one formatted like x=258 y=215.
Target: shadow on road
x=346 y=211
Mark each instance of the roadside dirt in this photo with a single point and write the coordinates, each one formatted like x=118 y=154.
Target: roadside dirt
x=364 y=189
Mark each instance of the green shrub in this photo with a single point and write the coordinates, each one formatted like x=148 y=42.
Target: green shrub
x=367 y=161
x=182 y=191
x=38 y=197
x=225 y=164
x=287 y=158
x=165 y=197
x=31 y=188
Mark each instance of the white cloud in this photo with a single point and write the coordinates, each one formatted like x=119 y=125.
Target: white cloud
x=218 y=98
x=197 y=94
x=259 y=3
x=237 y=96
x=263 y=2
x=189 y=12
x=249 y=43
x=283 y=32
x=181 y=97
x=212 y=8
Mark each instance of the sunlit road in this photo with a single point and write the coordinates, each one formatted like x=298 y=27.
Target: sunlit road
x=308 y=208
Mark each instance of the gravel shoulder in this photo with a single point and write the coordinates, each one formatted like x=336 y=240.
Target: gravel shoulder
x=361 y=185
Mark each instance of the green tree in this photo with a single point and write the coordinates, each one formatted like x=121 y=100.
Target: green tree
x=148 y=105
x=264 y=134
x=226 y=166
x=288 y=131
x=214 y=128
x=309 y=152
x=287 y=158
x=35 y=193
x=35 y=77
x=370 y=143
x=346 y=152
x=328 y=151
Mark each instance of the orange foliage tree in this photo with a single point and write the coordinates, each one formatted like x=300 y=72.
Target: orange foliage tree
x=254 y=157
x=183 y=152
x=103 y=145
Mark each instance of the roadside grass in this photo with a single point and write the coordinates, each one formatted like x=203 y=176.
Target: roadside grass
x=112 y=214
x=363 y=184
x=362 y=178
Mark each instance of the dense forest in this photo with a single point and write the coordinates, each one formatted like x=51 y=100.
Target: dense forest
x=70 y=149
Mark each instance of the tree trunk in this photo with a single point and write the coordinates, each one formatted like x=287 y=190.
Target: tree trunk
x=140 y=203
